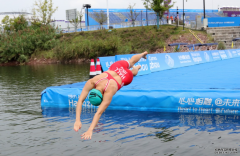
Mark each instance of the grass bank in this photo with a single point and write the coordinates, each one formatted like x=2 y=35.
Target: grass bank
x=93 y=44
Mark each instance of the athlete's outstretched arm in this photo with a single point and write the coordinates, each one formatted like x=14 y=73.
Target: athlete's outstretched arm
x=107 y=98
x=135 y=58
x=88 y=86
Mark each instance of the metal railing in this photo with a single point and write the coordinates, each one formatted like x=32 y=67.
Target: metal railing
x=111 y=26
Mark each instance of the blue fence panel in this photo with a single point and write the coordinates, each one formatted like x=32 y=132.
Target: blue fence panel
x=223 y=54
x=90 y=10
x=106 y=62
x=91 y=21
x=216 y=56
x=164 y=61
x=155 y=62
x=234 y=52
x=223 y=21
x=168 y=61
x=207 y=56
x=145 y=68
x=192 y=10
x=181 y=59
x=197 y=57
x=229 y=54
x=238 y=52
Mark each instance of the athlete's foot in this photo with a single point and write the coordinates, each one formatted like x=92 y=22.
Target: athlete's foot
x=145 y=55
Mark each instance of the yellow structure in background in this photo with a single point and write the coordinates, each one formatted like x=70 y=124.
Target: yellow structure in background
x=196 y=36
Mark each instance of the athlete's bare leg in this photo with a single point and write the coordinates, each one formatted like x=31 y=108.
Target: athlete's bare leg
x=137 y=57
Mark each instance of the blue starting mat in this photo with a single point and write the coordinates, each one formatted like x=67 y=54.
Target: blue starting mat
x=194 y=82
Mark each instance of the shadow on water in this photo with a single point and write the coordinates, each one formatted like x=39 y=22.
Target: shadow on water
x=164 y=125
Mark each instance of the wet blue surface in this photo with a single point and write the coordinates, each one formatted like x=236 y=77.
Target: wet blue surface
x=27 y=129
x=208 y=87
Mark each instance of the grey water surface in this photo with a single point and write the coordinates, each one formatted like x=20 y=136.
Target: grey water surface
x=26 y=129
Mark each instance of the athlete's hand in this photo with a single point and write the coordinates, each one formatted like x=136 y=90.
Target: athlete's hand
x=87 y=135
x=77 y=125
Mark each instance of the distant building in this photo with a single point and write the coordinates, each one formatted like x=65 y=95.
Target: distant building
x=231 y=11
x=13 y=14
x=64 y=24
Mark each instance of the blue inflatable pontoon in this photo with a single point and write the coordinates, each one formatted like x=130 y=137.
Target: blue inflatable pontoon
x=201 y=82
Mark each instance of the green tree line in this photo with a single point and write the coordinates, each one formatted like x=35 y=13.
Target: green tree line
x=19 y=40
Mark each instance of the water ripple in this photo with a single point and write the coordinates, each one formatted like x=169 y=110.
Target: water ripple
x=27 y=129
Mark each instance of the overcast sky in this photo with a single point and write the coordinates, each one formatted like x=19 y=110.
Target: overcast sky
x=26 y=5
